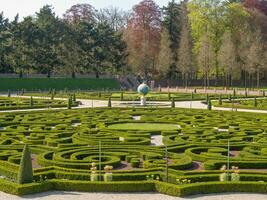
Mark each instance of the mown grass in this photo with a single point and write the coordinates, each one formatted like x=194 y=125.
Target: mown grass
x=261 y=104
x=144 y=126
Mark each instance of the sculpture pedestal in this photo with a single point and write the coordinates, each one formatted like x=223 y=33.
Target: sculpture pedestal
x=143 y=101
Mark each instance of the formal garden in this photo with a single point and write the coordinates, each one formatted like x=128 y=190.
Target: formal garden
x=153 y=97
x=112 y=150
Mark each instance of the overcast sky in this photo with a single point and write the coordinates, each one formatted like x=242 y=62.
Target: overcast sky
x=29 y=7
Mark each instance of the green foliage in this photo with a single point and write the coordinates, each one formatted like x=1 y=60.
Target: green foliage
x=255 y=102
x=31 y=102
x=34 y=84
x=220 y=99
x=135 y=162
x=25 y=174
x=69 y=102
x=209 y=105
x=108 y=177
x=173 y=103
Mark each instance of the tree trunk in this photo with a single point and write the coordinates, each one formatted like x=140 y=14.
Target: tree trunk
x=258 y=78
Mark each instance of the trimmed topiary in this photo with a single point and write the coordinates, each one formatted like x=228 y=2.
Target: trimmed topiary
x=255 y=102
x=209 y=105
x=109 y=102
x=169 y=96
x=69 y=102
x=31 y=101
x=207 y=98
x=173 y=103
x=25 y=174
x=220 y=99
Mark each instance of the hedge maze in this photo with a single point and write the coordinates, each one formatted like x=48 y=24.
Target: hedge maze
x=64 y=144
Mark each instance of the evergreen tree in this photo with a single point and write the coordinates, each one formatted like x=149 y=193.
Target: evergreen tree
x=172 y=22
x=25 y=174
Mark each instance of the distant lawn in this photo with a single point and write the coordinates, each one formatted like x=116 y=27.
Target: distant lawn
x=34 y=84
x=243 y=104
x=144 y=126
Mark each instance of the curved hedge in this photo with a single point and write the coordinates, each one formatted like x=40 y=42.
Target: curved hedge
x=65 y=143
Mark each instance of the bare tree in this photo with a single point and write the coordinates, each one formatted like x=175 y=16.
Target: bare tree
x=80 y=12
x=205 y=58
x=165 y=54
x=115 y=17
x=185 y=54
x=227 y=58
x=256 y=58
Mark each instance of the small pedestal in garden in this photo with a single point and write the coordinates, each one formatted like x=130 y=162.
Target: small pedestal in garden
x=143 y=100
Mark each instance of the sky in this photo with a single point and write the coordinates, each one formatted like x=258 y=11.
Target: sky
x=29 y=7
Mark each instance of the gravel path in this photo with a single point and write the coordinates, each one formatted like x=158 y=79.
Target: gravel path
x=58 y=195
x=102 y=103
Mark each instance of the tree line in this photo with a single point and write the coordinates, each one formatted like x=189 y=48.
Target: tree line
x=78 y=43
x=197 y=39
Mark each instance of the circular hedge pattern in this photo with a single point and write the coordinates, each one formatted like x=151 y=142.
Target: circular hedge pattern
x=65 y=143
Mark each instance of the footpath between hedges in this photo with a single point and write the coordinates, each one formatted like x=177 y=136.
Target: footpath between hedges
x=87 y=103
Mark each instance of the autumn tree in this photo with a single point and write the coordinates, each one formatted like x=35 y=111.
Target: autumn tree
x=143 y=37
x=260 y=5
x=80 y=12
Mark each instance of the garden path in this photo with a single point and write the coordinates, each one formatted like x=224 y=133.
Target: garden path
x=60 y=195
x=85 y=103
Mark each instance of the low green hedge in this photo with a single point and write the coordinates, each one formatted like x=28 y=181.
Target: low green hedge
x=134 y=186
x=220 y=187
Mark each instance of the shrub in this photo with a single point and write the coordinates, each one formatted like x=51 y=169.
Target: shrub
x=135 y=162
x=25 y=174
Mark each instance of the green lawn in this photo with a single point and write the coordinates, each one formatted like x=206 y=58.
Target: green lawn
x=144 y=126
x=35 y=84
x=261 y=104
